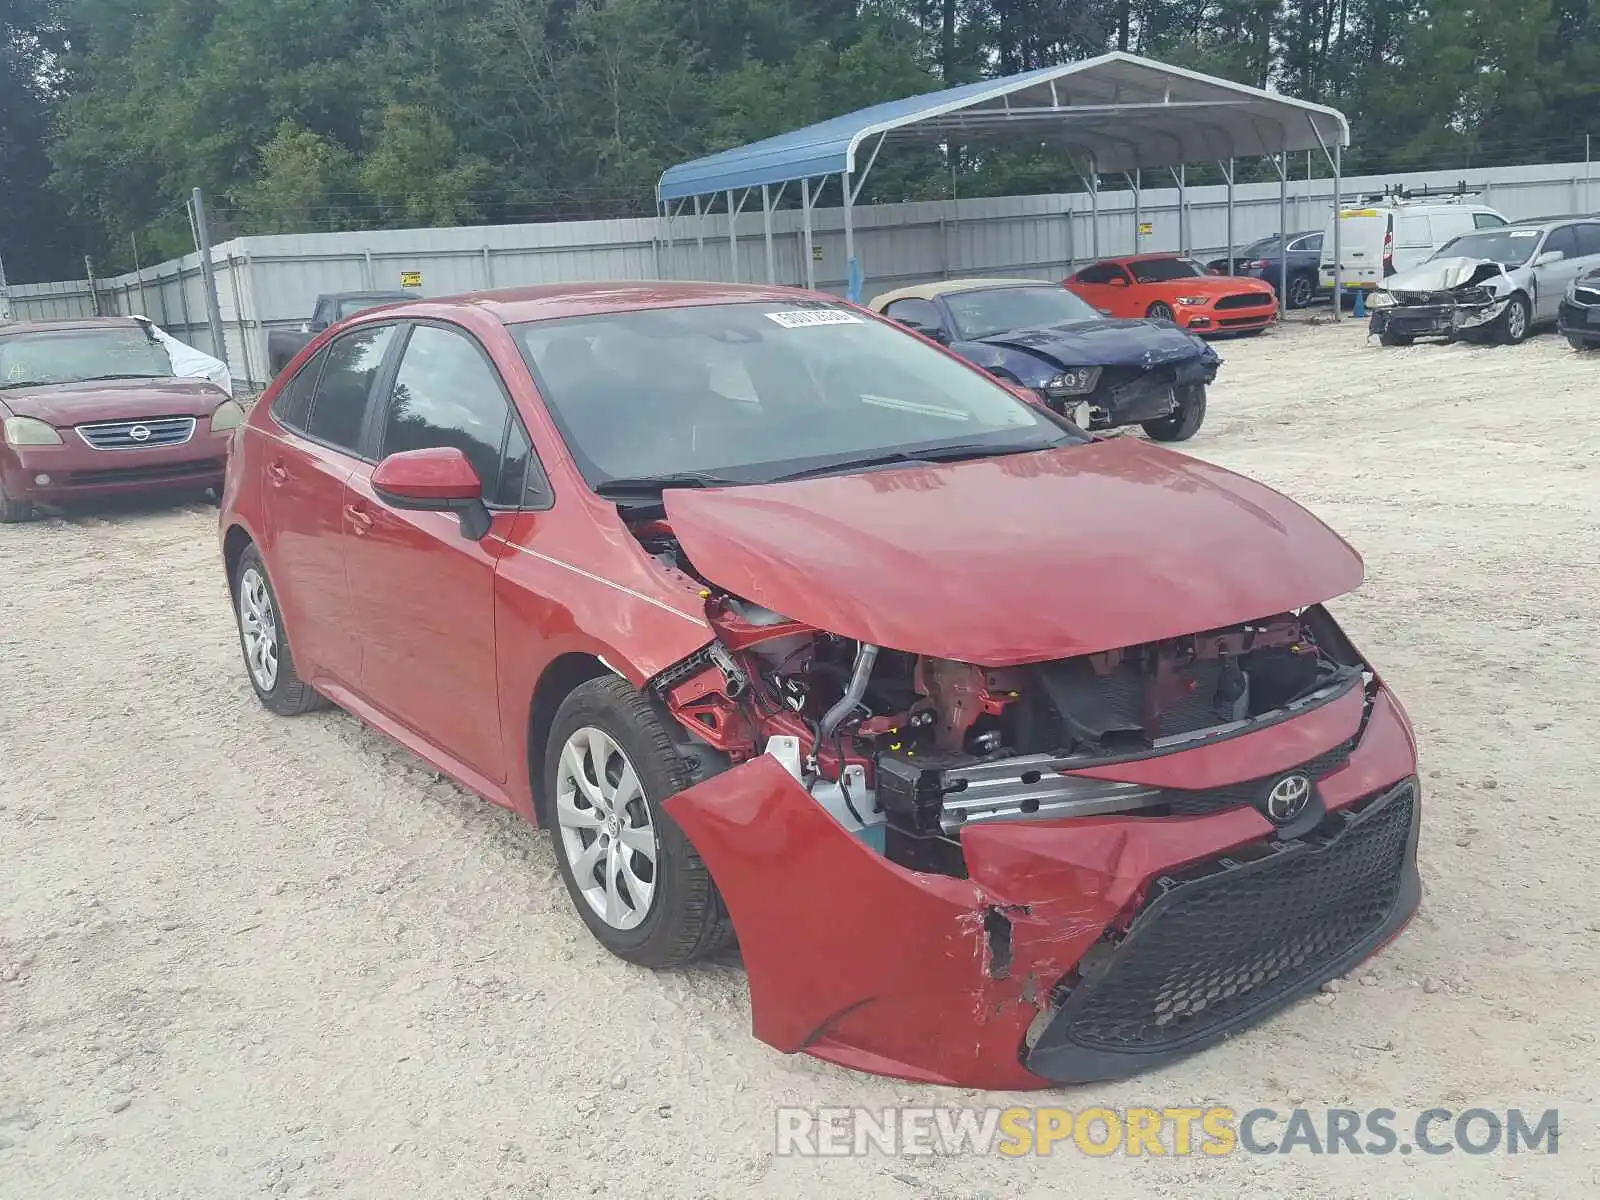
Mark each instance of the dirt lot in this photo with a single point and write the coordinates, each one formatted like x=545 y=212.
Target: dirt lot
x=241 y=955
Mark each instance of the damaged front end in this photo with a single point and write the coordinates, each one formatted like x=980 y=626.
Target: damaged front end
x=1448 y=298
x=1062 y=870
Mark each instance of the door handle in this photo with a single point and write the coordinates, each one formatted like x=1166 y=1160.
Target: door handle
x=359 y=518
x=278 y=474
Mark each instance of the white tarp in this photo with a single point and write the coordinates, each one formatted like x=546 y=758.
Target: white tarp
x=187 y=362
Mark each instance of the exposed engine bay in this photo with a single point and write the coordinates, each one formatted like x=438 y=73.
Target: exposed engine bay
x=907 y=750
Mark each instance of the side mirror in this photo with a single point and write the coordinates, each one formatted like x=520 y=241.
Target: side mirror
x=305 y=327
x=935 y=332
x=438 y=479
x=1548 y=257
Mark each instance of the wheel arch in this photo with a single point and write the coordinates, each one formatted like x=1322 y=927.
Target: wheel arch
x=235 y=542
x=562 y=676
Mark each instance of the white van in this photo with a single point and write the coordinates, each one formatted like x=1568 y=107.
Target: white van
x=1393 y=234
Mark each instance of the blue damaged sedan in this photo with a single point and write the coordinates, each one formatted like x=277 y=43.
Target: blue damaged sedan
x=1100 y=371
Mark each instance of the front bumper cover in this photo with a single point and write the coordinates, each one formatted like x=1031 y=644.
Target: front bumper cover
x=1578 y=321
x=970 y=982
x=1434 y=320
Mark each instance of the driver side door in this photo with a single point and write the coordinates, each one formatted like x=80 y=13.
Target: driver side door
x=1551 y=280
x=1106 y=286
x=423 y=593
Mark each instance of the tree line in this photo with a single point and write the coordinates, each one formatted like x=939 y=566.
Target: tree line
x=305 y=115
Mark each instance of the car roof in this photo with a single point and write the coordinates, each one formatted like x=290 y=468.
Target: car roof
x=59 y=326
x=1152 y=256
x=945 y=287
x=544 y=302
x=369 y=295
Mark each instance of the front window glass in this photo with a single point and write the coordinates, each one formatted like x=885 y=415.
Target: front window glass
x=754 y=392
x=81 y=355
x=999 y=310
x=1508 y=247
x=1159 y=270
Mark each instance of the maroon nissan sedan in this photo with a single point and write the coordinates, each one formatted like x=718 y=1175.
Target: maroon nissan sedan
x=1010 y=755
x=93 y=408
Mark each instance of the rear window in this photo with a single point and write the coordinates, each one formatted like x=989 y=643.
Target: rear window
x=81 y=355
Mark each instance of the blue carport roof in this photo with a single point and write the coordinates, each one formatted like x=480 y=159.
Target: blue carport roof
x=1120 y=111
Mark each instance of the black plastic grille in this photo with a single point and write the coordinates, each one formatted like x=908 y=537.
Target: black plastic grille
x=1219 y=943
x=1183 y=802
x=1246 y=300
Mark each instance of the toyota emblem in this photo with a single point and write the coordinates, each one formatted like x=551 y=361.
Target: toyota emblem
x=1288 y=798
x=139 y=433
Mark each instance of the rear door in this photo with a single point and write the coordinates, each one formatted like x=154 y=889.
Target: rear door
x=302 y=497
x=1361 y=237
x=422 y=594
x=1106 y=286
x=1414 y=239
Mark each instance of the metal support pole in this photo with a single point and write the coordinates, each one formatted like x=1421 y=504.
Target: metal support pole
x=852 y=268
x=5 y=294
x=666 y=229
x=94 y=288
x=733 y=239
x=1094 y=208
x=766 y=233
x=805 y=213
x=1183 y=209
x=1283 y=236
x=1138 y=210
x=1338 y=262
x=1229 y=176
x=700 y=237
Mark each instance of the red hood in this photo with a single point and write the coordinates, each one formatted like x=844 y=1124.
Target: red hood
x=1017 y=559
x=66 y=404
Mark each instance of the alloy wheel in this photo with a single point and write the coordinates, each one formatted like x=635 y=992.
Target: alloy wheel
x=1160 y=312
x=1299 y=292
x=606 y=828
x=258 y=622
x=1516 y=321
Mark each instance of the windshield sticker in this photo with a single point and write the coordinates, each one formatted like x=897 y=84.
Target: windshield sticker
x=801 y=318
x=1523 y=232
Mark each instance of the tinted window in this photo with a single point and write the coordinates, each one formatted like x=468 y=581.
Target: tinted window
x=1564 y=240
x=754 y=391
x=1309 y=242
x=340 y=407
x=1485 y=220
x=921 y=313
x=294 y=399
x=447 y=393
x=1159 y=270
x=1099 y=273
x=1588 y=240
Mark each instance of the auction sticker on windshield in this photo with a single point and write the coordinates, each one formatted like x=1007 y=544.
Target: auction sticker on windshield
x=800 y=318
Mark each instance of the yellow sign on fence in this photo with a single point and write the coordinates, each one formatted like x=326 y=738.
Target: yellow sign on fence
x=1146 y=228
x=410 y=279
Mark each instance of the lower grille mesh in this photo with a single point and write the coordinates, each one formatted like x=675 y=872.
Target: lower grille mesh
x=1240 y=933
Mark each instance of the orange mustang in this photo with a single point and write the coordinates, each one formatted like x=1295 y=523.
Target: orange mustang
x=1174 y=287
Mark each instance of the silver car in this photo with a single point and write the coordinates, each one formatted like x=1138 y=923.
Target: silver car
x=1494 y=284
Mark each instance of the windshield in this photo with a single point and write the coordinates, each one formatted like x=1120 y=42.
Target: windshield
x=79 y=355
x=999 y=310
x=753 y=392
x=357 y=304
x=1158 y=270
x=1508 y=247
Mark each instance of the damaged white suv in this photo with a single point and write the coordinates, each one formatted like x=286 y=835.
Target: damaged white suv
x=1492 y=284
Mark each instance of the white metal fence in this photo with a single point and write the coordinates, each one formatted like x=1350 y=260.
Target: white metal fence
x=271 y=282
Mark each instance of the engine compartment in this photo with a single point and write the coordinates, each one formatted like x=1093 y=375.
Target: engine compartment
x=907 y=750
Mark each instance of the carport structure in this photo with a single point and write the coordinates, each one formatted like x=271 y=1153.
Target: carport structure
x=1115 y=114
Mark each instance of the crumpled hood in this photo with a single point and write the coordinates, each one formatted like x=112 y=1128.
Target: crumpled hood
x=1104 y=344
x=68 y=404
x=1014 y=559
x=1442 y=274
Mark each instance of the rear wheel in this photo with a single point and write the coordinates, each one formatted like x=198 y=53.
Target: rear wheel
x=1301 y=289
x=1185 y=423
x=1513 y=324
x=14 y=512
x=1159 y=312
x=633 y=876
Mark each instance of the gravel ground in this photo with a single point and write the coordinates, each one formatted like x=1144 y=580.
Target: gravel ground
x=241 y=955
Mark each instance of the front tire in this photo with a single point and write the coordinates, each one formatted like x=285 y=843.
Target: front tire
x=1159 y=312
x=1512 y=328
x=1394 y=339
x=268 y=661
x=1580 y=344
x=1185 y=423
x=634 y=877
x=14 y=512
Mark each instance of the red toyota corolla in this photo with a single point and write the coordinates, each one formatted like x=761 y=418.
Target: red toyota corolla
x=94 y=408
x=1009 y=755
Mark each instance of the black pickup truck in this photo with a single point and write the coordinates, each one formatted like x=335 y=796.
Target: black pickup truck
x=284 y=344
